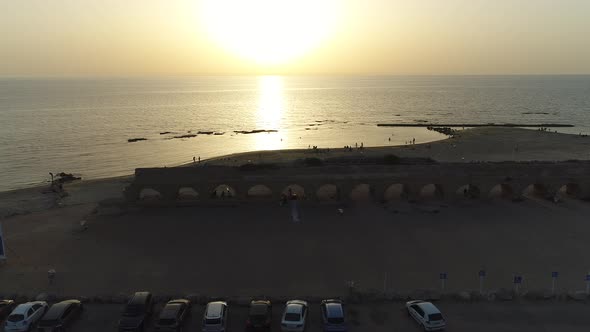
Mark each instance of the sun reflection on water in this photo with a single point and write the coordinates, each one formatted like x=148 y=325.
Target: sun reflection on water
x=271 y=106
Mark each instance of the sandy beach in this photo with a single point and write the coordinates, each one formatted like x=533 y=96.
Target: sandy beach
x=183 y=250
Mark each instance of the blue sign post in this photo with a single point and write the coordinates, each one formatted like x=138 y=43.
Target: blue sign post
x=517 y=283
x=554 y=276
x=2 y=249
x=443 y=277
x=482 y=275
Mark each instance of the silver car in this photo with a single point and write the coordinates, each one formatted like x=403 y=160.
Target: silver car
x=215 y=317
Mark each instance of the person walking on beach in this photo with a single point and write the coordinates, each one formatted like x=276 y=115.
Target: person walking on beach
x=413 y=141
x=194 y=159
x=199 y=159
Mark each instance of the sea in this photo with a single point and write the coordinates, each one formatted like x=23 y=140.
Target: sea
x=82 y=126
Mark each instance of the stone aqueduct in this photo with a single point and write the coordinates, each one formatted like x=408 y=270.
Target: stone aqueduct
x=353 y=183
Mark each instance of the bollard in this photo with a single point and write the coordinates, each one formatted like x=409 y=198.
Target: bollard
x=482 y=275
x=554 y=276
x=517 y=283
x=51 y=276
x=443 y=277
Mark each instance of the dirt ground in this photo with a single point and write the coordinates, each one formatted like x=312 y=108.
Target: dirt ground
x=256 y=250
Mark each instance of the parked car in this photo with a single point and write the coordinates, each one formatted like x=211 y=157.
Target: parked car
x=173 y=315
x=295 y=316
x=136 y=312
x=259 y=316
x=25 y=316
x=333 y=316
x=6 y=307
x=215 y=317
x=426 y=314
x=60 y=316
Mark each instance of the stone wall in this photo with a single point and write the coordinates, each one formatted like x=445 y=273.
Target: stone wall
x=378 y=183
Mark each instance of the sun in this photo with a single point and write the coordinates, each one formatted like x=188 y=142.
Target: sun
x=269 y=32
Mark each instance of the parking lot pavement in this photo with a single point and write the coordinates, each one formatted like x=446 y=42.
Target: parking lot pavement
x=481 y=317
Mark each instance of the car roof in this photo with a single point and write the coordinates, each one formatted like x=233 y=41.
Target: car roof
x=294 y=308
x=428 y=308
x=6 y=301
x=214 y=309
x=334 y=310
x=24 y=307
x=259 y=307
x=56 y=310
x=171 y=310
x=139 y=298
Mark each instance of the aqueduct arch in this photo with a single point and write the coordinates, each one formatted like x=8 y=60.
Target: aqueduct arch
x=572 y=190
x=294 y=189
x=396 y=191
x=468 y=191
x=536 y=190
x=502 y=190
x=328 y=192
x=361 y=193
x=223 y=191
x=432 y=191
x=187 y=194
x=149 y=194
x=259 y=191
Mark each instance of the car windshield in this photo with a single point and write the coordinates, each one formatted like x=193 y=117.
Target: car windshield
x=166 y=321
x=15 y=318
x=292 y=317
x=213 y=321
x=435 y=317
x=335 y=320
x=133 y=310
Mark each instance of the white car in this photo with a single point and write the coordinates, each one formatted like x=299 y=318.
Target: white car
x=426 y=314
x=294 y=317
x=25 y=315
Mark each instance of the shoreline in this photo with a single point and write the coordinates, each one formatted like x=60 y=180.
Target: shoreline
x=475 y=145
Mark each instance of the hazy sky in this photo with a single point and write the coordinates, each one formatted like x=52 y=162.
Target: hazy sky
x=143 y=37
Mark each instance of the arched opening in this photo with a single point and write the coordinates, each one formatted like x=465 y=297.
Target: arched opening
x=396 y=191
x=187 y=194
x=361 y=193
x=432 y=191
x=468 y=191
x=328 y=192
x=571 y=190
x=502 y=190
x=149 y=194
x=223 y=191
x=259 y=190
x=294 y=189
x=536 y=190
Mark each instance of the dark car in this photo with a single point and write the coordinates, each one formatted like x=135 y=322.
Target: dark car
x=333 y=316
x=60 y=316
x=6 y=307
x=259 y=316
x=173 y=315
x=136 y=312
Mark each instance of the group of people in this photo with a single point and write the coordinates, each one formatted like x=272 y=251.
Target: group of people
x=412 y=141
x=356 y=146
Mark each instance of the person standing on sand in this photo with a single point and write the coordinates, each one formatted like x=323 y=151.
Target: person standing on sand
x=199 y=159
x=194 y=159
x=413 y=141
